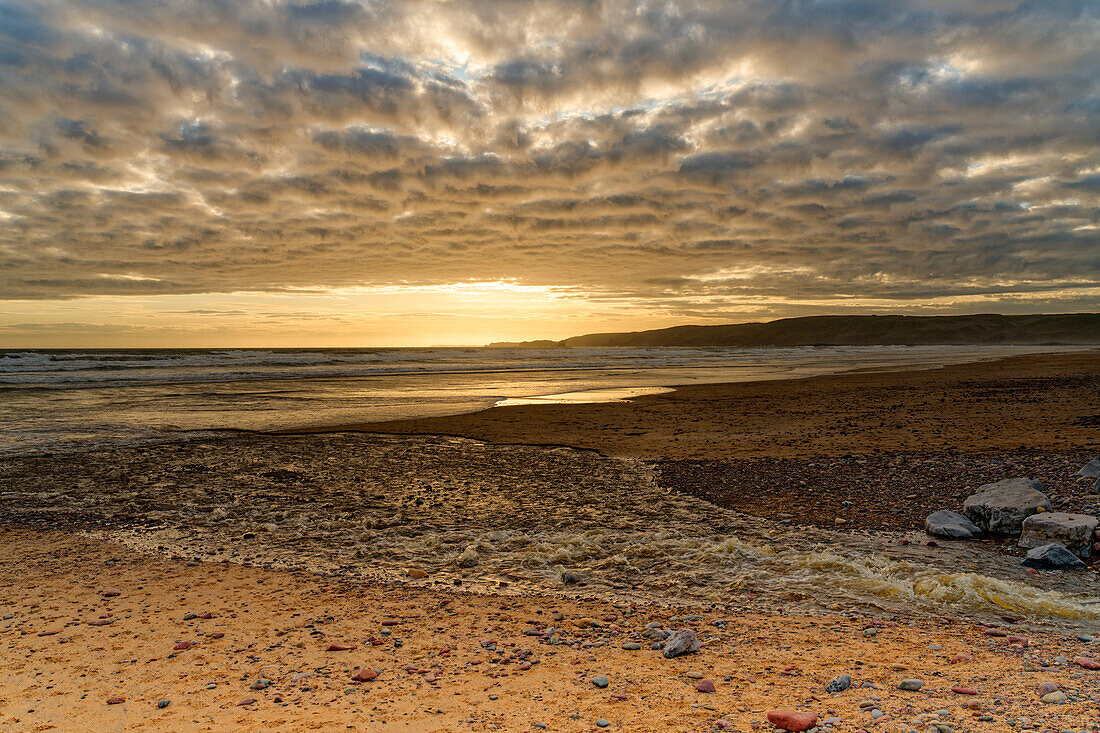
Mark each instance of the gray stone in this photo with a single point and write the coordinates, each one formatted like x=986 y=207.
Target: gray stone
x=1090 y=469
x=1002 y=507
x=911 y=685
x=1052 y=557
x=163 y=704
x=600 y=681
x=682 y=641
x=839 y=684
x=950 y=524
x=1072 y=531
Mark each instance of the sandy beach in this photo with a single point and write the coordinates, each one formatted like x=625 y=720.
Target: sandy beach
x=116 y=558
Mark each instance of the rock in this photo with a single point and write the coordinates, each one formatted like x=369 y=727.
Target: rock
x=1052 y=557
x=839 y=684
x=600 y=681
x=961 y=658
x=1090 y=469
x=416 y=573
x=115 y=700
x=246 y=701
x=705 y=686
x=1086 y=662
x=792 y=720
x=1046 y=688
x=260 y=684
x=183 y=646
x=631 y=646
x=1054 y=697
x=162 y=704
x=469 y=558
x=1002 y=507
x=910 y=685
x=110 y=594
x=602 y=723
x=365 y=674
x=340 y=647
x=951 y=524
x=681 y=642
x=1072 y=531
x=962 y=690
x=571 y=577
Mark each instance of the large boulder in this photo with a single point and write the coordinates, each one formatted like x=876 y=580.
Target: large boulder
x=951 y=524
x=1001 y=508
x=1052 y=557
x=1072 y=531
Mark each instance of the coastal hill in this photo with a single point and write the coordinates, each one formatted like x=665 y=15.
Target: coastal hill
x=1066 y=328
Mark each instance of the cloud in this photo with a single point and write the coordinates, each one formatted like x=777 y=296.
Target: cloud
x=899 y=149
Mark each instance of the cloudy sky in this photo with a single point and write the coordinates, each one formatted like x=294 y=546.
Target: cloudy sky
x=249 y=172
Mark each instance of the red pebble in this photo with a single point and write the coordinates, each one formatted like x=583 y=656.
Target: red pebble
x=183 y=646
x=217 y=635
x=1018 y=640
x=995 y=632
x=959 y=690
x=391 y=622
x=246 y=701
x=792 y=720
x=1086 y=663
x=111 y=593
x=339 y=647
x=705 y=686
x=961 y=657
x=115 y=700
x=206 y=614
x=48 y=633
x=365 y=674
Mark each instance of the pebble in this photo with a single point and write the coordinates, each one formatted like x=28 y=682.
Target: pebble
x=961 y=690
x=631 y=646
x=1086 y=662
x=115 y=700
x=246 y=701
x=705 y=686
x=260 y=684
x=161 y=704
x=602 y=723
x=910 y=685
x=839 y=684
x=791 y=720
x=961 y=658
x=601 y=681
x=1054 y=697
x=183 y=646
x=211 y=685
x=682 y=641
x=365 y=674
x=1048 y=687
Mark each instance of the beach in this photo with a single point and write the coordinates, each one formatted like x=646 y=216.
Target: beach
x=781 y=521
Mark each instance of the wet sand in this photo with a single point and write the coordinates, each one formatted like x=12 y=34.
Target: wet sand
x=68 y=645
x=1045 y=402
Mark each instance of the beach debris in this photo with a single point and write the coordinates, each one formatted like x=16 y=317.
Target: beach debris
x=601 y=681
x=792 y=720
x=1002 y=507
x=572 y=577
x=706 y=686
x=682 y=641
x=951 y=524
x=1072 y=531
x=469 y=558
x=1052 y=557
x=911 y=685
x=839 y=684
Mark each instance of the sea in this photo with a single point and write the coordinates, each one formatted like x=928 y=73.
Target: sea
x=72 y=400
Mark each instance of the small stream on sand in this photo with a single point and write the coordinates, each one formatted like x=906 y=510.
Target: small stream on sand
x=511 y=519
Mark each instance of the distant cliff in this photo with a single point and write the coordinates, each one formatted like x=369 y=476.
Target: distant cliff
x=1061 y=329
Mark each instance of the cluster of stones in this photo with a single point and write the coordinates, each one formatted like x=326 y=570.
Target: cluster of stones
x=1018 y=506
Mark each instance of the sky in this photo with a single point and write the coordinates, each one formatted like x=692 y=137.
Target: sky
x=277 y=173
